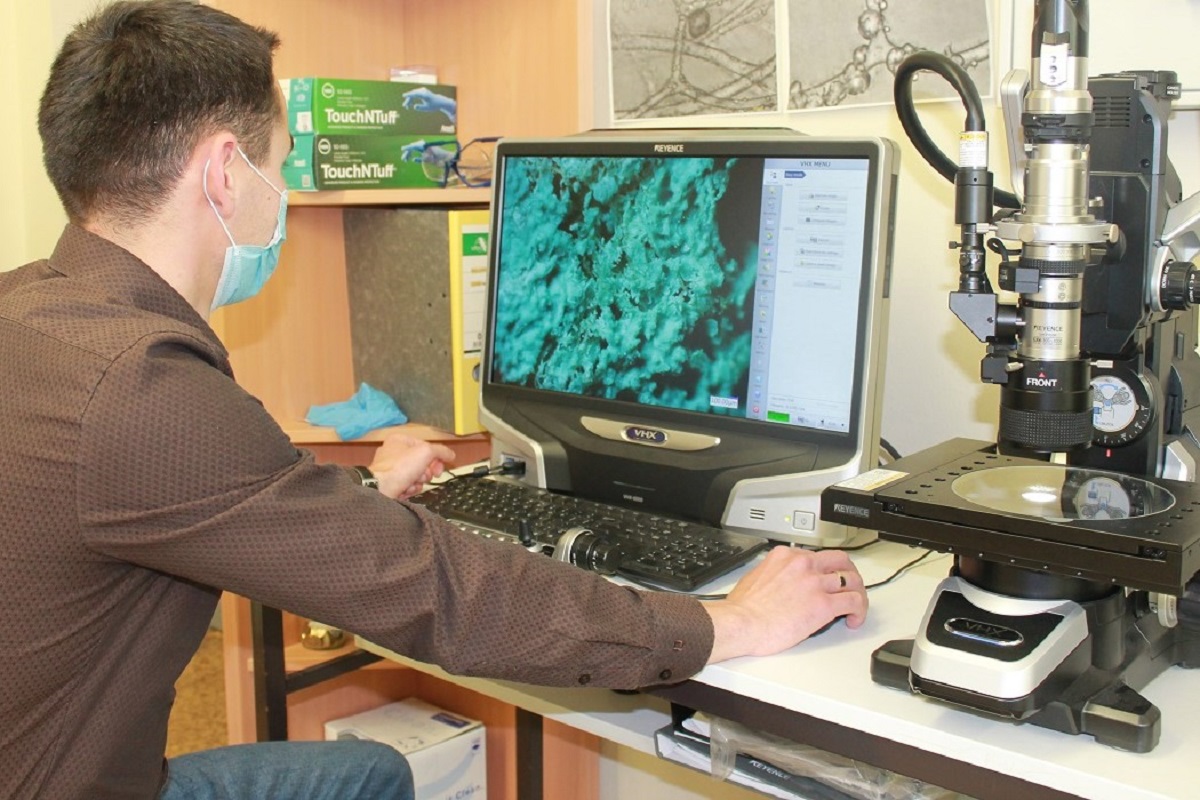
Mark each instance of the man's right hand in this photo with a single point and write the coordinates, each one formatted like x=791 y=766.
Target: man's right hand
x=788 y=596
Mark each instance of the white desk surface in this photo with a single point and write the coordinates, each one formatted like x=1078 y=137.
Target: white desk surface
x=828 y=677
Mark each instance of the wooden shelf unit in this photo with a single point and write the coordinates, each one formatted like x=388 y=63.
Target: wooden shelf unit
x=440 y=198
x=517 y=69
x=518 y=66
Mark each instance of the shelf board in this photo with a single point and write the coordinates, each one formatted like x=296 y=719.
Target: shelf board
x=297 y=657
x=460 y=196
x=303 y=433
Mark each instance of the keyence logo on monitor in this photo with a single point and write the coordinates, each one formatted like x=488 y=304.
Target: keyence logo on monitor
x=668 y=148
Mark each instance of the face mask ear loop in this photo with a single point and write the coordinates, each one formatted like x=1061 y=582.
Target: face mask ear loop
x=213 y=205
x=258 y=172
x=281 y=192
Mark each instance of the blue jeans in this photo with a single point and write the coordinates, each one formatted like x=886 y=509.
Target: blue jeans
x=344 y=770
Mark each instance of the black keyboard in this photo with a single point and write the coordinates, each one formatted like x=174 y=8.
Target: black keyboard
x=660 y=551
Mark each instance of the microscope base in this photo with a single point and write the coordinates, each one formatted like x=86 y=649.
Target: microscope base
x=1095 y=689
x=1115 y=715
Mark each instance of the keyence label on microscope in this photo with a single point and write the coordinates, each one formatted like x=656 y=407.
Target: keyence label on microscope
x=1047 y=335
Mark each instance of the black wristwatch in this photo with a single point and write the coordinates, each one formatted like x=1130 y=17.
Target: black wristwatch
x=365 y=477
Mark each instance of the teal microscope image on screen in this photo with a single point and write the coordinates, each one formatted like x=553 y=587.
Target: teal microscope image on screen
x=630 y=279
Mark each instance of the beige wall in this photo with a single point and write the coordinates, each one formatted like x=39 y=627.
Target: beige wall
x=16 y=209
x=30 y=215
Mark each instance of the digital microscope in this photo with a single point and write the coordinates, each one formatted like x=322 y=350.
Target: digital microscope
x=1076 y=535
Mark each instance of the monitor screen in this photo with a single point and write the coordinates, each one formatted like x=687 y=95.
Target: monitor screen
x=707 y=293
x=714 y=284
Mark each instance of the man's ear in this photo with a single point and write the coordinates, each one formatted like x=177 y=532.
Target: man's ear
x=214 y=156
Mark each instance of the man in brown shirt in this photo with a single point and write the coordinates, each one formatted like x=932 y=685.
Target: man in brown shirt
x=140 y=480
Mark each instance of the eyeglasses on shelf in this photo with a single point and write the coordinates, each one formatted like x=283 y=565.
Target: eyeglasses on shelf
x=447 y=162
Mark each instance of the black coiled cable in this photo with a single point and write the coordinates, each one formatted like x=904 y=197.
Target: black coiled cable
x=957 y=77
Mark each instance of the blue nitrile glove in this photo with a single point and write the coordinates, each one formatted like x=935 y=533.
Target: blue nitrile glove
x=422 y=99
x=367 y=410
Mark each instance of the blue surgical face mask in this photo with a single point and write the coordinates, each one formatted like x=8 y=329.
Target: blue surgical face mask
x=247 y=266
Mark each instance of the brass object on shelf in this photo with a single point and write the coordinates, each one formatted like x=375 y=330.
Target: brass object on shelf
x=319 y=636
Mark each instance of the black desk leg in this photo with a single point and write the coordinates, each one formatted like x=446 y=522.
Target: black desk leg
x=529 y=755
x=272 y=683
x=270 y=673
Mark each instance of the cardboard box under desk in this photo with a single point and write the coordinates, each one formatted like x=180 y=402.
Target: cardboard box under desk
x=447 y=753
x=417 y=283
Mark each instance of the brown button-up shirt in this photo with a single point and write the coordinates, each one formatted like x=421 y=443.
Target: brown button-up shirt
x=137 y=480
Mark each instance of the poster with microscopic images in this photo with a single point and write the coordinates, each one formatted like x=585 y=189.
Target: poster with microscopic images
x=686 y=58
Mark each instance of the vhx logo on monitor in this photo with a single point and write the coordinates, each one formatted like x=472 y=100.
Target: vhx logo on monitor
x=635 y=433
x=668 y=148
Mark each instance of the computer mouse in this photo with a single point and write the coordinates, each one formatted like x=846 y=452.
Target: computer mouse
x=827 y=625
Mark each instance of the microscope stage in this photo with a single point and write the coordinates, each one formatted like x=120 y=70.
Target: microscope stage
x=962 y=497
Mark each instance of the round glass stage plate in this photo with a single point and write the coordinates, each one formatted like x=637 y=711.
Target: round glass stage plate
x=1061 y=493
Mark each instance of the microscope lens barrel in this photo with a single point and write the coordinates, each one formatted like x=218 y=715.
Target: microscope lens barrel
x=1052 y=320
x=1047 y=407
x=1064 y=20
x=1056 y=184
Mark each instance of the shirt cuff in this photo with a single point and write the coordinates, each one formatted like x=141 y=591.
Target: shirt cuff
x=684 y=638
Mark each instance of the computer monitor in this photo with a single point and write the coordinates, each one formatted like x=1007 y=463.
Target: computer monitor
x=691 y=322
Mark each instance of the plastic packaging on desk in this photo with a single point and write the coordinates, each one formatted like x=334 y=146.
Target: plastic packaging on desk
x=852 y=778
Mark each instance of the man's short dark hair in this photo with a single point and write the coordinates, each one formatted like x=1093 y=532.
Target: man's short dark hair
x=136 y=86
